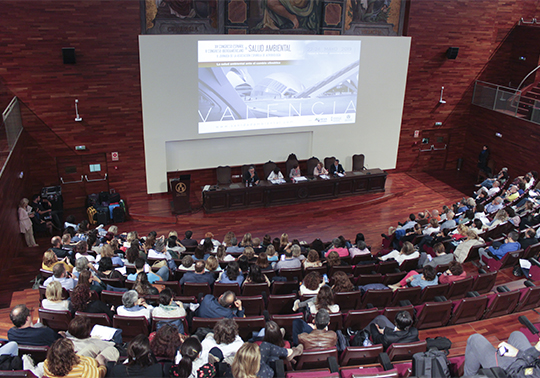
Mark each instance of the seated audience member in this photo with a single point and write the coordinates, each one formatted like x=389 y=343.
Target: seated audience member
x=414 y=279
x=441 y=257
x=108 y=251
x=251 y=178
x=234 y=248
x=210 y=237
x=275 y=175
x=247 y=240
x=243 y=264
x=84 y=345
x=226 y=306
x=255 y=275
x=202 y=252
x=53 y=298
x=323 y=300
x=56 y=243
x=81 y=250
x=336 y=168
x=222 y=256
x=93 y=282
x=432 y=227
x=411 y=222
x=315 y=335
x=502 y=176
x=500 y=217
x=529 y=239
x=159 y=251
x=491 y=191
x=141 y=362
x=311 y=284
x=460 y=232
x=498 y=250
x=50 y=260
x=262 y=261
x=62 y=361
x=174 y=247
x=449 y=222
x=289 y=262
x=257 y=248
x=338 y=248
x=494 y=206
x=225 y=337
x=454 y=273
x=188 y=241
x=462 y=250
x=81 y=300
x=106 y=269
x=161 y=275
x=477 y=226
x=333 y=259
x=134 y=306
x=273 y=256
x=198 y=276
x=24 y=333
x=384 y=332
x=232 y=274
x=511 y=194
x=149 y=242
x=188 y=264
x=320 y=170
x=168 y=307
x=342 y=283
x=164 y=345
x=143 y=287
x=480 y=214
x=407 y=253
x=412 y=235
x=60 y=275
x=312 y=260
x=512 y=217
x=516 y=356
x=212 y=265
x=249 y=253
x=360 y=248
x=248 y=363
x=188 y=361
x=296 y=250
x=295 y=171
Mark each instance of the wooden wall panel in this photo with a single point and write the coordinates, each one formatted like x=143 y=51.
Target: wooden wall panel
x=479 y=29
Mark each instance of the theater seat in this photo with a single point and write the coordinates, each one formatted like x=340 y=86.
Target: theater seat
x=220 y=288
x=468 y=310
x=101 y=319
x=131 y=326
x=433 y=314
x=500 y=304
x=253 y=305
x=247 y=325
x=316 y=358
x=405 y=351
x=429 y=293
x=360 y=355
x=459 y=288
x=359 y=319
x=347 y=300
x=508 y=261
x=483 y=283
x=285 y=321
x=57 y=320
x=281 y=304
x=411 y=294
x=377 y=298
x=529 y=298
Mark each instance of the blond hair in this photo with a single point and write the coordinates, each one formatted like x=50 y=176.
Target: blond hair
x=49 y=258
x=247 y=361
x=113 y=229
x=211 y=263
x=106 y=251
x=53 y=292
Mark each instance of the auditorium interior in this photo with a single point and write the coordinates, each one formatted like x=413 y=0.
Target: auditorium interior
x=99 y=97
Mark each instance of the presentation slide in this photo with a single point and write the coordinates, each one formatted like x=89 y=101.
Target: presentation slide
x=251 y=85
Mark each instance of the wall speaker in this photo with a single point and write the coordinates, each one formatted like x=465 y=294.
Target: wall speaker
x=452 y=52
x=68 y=55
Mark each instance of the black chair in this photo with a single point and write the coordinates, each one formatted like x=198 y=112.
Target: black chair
x=358 y=162
x=223 y=174
x=268 y=167
x=311 y=164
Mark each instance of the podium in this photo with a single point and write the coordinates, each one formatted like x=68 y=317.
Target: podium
x=180 y=188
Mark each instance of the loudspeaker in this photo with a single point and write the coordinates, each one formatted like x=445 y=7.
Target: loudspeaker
x=68 y=54
x=452 y=52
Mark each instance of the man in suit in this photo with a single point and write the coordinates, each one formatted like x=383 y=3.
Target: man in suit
x=384 y=332
x=336 y=168
x=250 y=177
x=226 y=306
x=198 y=276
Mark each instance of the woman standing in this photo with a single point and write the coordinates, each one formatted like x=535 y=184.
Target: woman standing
x=25 y=223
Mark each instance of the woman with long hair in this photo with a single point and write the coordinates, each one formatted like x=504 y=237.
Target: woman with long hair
x=247 y=361
x=166 y=342
x=81 y=300
x=143 y=287
x=62 y=361
x=342 y=283
x=141 y=362
x=53 y=298
x=189 y=363
x=50 y=260
x=256 y=276
x=246 y=241
x=311 y=284
x=262 y=261
x=232 y=274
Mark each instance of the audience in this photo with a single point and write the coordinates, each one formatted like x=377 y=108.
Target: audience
x=226 y=306
x=225 y=337
x=61 y=275
x=53 y=298
x=315 y=335
x=134 y=306
x=62 y=361
x=383 y=332
x=25 y=333
x=141 y=362
x=199 y=275
x=84 y=345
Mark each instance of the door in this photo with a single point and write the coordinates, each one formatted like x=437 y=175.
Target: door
x=433 y=150
x=80 y=176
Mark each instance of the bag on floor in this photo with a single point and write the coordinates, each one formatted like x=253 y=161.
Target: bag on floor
x=432 y=363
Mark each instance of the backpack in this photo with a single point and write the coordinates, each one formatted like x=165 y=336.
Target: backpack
x=526 y=366
x=342 y=341
x=10 y=362
x=432 y=363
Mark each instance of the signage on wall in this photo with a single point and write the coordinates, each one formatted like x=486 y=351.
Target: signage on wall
x=114 y=156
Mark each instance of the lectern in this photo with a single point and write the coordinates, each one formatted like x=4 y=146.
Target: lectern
x=180 y=190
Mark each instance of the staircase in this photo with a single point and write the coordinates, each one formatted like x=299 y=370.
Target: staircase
x=530 y=98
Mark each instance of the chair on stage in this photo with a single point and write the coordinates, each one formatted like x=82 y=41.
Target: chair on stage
x=311 y=164
x=223 y=174
x=268 y=167
x=358 y=162
x=328 y=162
x=289 y=164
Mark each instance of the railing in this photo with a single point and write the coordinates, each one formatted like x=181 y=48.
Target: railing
x=10 y=129
x=506 y=100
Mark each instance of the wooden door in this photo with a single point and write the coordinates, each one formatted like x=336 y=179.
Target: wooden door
x=433 y=150
x=80 y=176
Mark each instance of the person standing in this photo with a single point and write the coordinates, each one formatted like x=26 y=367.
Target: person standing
x=25 y=223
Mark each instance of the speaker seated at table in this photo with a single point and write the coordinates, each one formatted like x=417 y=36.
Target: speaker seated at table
x=250 y=177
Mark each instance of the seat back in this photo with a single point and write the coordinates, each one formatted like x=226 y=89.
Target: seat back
x=429 y=293
x=473 y=253
x=116 y=282
x=281 y=288
x=347 y=300
x=101 y=319
x=245 y=168
x=458 y=289
x=38 y=353
x=173 y=285
x=408 y=265
x=328 y=162
x=529 y=299
x=203 y=322
x=286 y=321
x=319 y=269
x=129 y=284
x=316 y=358
x=434 y=314
x=223 y=174
x=365 y=269
x=363 y=257
x=377 y=298
x=483 y=283
x=281 y=304
x=292 y=274
x=358 y=162
x=359 y=319
x=347 y=269
x=469 y=310
x=156 y=320
x=311 y=164
x=247 y=325
x=390 y=266
x=255 y=289
x=391 y=312
x=253 y=305
x=17 y=373
x=196 y=288
x=336 y=321
x=500 y=304
x=532 y=251
x=511 y=259
x=289 y=164
x=131 y=326
x=220 y=288
x=45 y=273
x=411 y=294
x=360 y=355
x=112 y=297
x=268 y=167
x=405 y=351
x=57 y=320
x=393 y=278
x=366 y=279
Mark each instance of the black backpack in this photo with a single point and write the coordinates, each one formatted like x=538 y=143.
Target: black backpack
x=10 y=362
x=432 y=363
